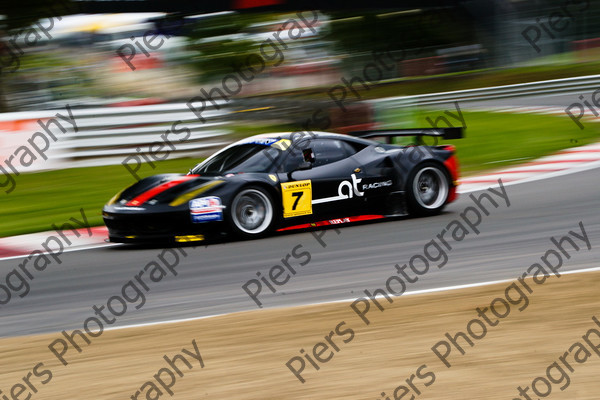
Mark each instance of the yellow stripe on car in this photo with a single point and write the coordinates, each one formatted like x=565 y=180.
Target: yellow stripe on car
x=113 y=200
x=190 y=195
x=189 y=238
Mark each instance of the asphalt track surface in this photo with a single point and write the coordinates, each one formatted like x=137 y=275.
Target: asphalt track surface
x=360 y=257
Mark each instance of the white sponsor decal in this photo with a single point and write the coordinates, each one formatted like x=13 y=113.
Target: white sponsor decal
x=206 y=209
x=351 y=190
x=377 y=185
x=347 y=189
x=339 y=221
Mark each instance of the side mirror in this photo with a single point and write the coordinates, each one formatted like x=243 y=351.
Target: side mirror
x=303 y=166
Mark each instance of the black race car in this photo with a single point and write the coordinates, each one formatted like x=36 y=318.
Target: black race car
x=289 y=181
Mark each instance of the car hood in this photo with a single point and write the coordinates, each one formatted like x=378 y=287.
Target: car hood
x=172 y=189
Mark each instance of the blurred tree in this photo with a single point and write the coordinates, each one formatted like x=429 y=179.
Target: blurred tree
x=225 y=41
x=18 y=15
x=400 y=30
x=408 y=34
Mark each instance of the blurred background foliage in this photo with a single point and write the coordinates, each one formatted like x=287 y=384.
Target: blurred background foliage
x=473 y=38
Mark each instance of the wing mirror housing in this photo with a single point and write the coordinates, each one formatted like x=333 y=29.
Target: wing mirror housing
x=309 y=159
x=303 y=166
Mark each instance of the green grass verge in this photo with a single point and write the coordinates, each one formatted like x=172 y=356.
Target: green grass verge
x=45 y=198
x=492 y=139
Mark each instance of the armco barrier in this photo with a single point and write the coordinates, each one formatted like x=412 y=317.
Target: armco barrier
x=563 y=86
x=107 y=135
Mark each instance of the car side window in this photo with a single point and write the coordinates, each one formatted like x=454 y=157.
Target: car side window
x=327 y=151
x=294 y=156
x=353 y=147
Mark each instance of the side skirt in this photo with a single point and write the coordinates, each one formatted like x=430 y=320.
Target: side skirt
x=335 y=221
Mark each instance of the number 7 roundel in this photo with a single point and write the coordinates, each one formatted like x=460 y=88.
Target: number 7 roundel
x=296 y=198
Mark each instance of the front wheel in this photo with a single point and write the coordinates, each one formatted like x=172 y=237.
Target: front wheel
x=428 y=189
x=251 y=212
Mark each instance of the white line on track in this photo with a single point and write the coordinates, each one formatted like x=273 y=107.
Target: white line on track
x=91 y=247
x=414 y=292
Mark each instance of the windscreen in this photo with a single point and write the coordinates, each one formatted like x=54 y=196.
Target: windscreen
x=248 y=157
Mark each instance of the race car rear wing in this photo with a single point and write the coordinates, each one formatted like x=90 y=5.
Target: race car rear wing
x=445 y=133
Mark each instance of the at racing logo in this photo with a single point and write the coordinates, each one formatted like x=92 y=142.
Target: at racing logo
x=347 y=189
x=377 y=185
x=351 y=189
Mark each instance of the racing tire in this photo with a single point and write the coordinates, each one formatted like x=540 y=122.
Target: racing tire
x=428 y=188
x=252 y=212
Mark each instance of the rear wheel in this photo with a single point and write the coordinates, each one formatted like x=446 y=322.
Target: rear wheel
x=428 y=189
x=252 y=213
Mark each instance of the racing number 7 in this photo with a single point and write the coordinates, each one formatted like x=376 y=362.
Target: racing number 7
x=296 y=198
x=297 y=195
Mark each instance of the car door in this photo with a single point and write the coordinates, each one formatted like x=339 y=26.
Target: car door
x=333 y=179
x=378 y=173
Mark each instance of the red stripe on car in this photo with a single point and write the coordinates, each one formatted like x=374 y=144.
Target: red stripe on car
x=147 y=195
x=334 y=221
